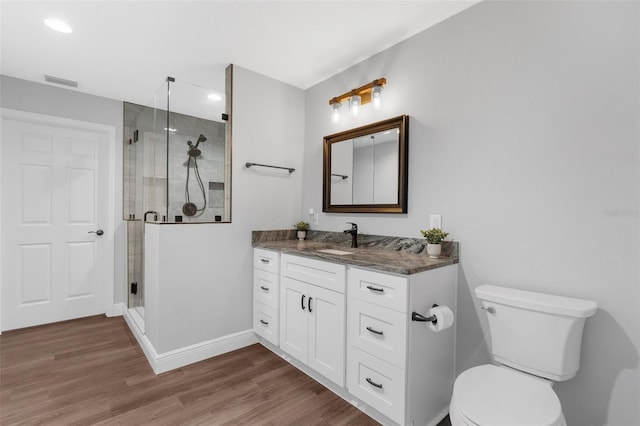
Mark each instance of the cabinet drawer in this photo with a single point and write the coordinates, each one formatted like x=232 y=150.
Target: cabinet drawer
x=388 y=291
x=377 y=383
x=331 y=276
x=379 y=331
x=265 y=322
x=266 y=288
x=266 y=260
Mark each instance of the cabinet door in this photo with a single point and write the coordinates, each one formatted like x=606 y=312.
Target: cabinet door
x=294 y=318
x=327 y=333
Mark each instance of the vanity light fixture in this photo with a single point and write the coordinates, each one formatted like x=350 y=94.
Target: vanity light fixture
x=371 y=92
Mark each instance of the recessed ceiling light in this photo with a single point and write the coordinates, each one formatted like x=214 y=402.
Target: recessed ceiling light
x=58 y=25
x=214 y=97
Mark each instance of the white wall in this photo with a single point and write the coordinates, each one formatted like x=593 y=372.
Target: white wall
x=208 y=283
x=27 y=96
x=524 y=135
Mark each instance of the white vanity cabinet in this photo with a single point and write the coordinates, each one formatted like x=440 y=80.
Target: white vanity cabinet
x=312 y=314
x=401 y=368
x=352 y=325
x=266 y=290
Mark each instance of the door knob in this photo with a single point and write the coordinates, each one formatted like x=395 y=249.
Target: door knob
x=98 y=232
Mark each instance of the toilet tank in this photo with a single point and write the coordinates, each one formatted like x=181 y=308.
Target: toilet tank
x=537 y=333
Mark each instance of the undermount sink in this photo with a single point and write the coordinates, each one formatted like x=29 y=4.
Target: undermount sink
x=333 y=251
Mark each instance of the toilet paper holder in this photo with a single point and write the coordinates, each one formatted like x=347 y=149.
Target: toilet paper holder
x=421 y=318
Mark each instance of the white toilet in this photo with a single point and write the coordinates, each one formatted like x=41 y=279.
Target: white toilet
x=535 y=340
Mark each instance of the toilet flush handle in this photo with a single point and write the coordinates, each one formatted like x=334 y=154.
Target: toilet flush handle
x=490 y=309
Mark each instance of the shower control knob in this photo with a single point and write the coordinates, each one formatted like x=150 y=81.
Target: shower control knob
x=99 y=232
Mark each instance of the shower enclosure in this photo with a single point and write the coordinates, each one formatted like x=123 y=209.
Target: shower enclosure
x=177 y=168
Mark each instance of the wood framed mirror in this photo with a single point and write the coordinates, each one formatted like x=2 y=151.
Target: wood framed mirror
x=365 y=170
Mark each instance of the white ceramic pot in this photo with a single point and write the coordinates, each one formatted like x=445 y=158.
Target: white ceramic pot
x=434 y=250
x=302 y=235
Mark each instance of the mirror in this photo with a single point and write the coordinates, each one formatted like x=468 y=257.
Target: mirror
x=365 y=169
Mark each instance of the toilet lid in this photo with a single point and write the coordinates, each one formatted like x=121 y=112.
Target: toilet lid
x=490 y=395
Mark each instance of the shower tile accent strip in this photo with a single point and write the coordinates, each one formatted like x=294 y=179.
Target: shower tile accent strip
x=398 y=255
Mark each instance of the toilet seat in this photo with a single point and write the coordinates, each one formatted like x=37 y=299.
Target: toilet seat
x=491 y=395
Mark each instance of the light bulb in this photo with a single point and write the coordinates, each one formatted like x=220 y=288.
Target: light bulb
x=335 y=113
x=376 y=96
x=58 y=25
x=354 y=104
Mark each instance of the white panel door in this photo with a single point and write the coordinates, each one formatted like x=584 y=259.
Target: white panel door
x=54 y=198
x=327 y=333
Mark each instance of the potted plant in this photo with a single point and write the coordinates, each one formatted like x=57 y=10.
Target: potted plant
x=302 y=228
x=434 y=237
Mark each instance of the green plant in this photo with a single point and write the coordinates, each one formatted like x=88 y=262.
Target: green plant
x=301 y=226
x=434 y=235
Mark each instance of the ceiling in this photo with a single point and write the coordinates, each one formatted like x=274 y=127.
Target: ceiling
x=124 y=50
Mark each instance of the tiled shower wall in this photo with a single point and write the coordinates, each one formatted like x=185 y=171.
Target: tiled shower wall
x=145 y=177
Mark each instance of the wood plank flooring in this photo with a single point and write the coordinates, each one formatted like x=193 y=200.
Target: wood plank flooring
x=91 y=371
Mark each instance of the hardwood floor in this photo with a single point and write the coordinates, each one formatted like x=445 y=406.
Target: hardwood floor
x=92 y=371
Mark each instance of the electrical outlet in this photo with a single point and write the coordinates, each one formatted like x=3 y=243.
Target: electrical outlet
x=435 y=221
x=313 y=216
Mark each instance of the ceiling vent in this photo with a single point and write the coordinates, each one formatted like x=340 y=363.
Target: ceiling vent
x=62 y=81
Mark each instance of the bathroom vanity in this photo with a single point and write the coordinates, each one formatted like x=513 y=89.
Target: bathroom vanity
x=344 y=316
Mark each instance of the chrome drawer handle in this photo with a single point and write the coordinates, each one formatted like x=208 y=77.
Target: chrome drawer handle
x=490 y=309
x=380 y=333
x=264 y=322
x=264 y=260
x=372 y=383
x=264 y=288
x=379 y=290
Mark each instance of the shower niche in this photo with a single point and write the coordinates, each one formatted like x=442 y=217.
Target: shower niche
x=177 y=166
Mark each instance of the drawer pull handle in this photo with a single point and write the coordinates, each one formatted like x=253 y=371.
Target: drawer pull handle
x=309 y=304
x=264 y=322
x=374 y=331
x=264 y=288
x=372 y=383
x=264 y=260
x=376 y=289
x=302 y=302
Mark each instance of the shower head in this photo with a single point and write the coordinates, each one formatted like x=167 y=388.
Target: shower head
x=201 y=138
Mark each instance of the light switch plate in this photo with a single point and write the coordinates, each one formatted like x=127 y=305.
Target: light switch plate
x=435 y=221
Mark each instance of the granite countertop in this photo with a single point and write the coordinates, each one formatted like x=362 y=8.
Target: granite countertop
x=396 y=261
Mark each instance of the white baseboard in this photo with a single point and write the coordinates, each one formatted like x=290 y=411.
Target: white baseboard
x=203 y=350
x=161 y=363
x=116 y=310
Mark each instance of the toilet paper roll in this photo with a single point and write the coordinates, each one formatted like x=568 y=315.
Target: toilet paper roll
x=444 y=318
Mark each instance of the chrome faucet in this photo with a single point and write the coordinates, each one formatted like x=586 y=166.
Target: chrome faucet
x=354 y=234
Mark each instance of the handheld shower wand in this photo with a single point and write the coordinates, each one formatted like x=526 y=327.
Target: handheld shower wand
x=193 y=150
x=189 y=208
